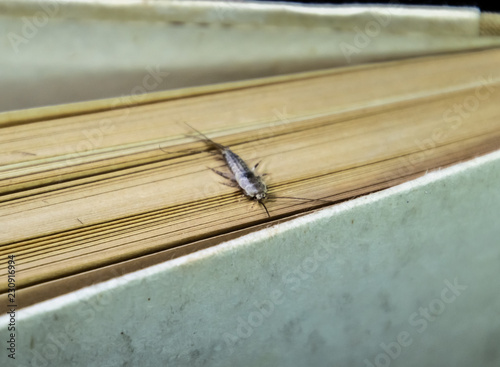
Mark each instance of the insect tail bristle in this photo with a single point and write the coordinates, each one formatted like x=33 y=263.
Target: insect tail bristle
x=205 y=138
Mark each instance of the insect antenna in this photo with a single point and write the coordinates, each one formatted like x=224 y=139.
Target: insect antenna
x=304 y=199
x=264 y=205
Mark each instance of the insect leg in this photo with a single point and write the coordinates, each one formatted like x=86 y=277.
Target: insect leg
x=225 y=175
x=230 y=184
x=255 y=167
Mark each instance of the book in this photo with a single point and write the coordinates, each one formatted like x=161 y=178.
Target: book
x=94 y=194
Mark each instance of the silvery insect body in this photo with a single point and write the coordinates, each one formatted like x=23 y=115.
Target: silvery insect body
x=251 y=184
x=246 y=179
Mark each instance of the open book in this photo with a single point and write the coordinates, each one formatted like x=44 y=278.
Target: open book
x=91 y=195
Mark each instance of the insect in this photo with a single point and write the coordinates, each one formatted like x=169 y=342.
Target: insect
x=247 y=180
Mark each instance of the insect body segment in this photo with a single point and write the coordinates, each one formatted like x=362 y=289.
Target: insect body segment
x=252 y=185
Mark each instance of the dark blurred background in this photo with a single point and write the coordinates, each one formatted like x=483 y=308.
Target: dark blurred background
x=483 y=5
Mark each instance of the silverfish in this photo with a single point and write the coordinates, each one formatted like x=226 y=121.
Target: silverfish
x=251 y=184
